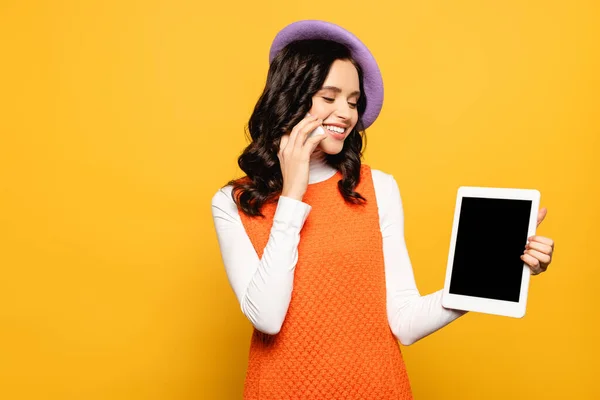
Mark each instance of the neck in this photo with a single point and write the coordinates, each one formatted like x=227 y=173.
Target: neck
x=318 y=170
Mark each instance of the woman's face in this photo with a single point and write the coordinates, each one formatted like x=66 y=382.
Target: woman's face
x=336 y=104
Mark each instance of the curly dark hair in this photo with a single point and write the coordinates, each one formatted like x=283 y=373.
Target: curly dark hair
x=295 y=75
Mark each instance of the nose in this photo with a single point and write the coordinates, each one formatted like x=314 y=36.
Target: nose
x=343 y=110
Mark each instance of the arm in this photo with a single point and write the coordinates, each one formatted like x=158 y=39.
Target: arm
x=410 y=315
x=263 y=286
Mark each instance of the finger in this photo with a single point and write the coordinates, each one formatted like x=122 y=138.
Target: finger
x=312 y=143
x=541 y=215
x=305 y=130
x=299 y=126
x=542 y=239
x=541 y=257
x=541 y=247
x=533 y=263
x=283 y=143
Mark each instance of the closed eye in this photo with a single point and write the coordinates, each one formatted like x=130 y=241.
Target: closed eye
x=328 y=99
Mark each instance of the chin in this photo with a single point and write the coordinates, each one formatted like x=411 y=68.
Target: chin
x=331 y=146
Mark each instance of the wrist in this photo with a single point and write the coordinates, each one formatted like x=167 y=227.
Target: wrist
x=292 y=195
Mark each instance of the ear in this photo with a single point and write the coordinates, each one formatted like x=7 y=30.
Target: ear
x=541 y=215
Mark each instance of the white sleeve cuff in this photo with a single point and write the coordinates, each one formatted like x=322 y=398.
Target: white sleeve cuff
x=291 y=212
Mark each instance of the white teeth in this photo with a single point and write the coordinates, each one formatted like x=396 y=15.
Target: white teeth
x=334 y=128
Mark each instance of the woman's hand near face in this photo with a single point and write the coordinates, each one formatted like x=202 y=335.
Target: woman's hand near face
x=294 y=156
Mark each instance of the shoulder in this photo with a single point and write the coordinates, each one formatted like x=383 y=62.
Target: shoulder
x=223 y=196
x=383 y=182
x=223 y=206
x=382 y=177
x=387 y=193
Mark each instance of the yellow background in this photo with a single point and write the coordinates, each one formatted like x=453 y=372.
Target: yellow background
x=120 y=119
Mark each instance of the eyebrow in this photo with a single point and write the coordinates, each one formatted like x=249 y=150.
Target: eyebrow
x=338 y=90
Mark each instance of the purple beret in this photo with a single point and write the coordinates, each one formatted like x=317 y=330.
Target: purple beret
x=314 y=29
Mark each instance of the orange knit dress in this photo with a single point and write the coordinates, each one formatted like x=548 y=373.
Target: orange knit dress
x=335 y=342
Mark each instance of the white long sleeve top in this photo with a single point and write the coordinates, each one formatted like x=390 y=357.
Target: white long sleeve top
x=263 y=286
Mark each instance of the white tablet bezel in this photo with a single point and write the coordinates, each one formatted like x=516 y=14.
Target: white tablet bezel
x=484 y=305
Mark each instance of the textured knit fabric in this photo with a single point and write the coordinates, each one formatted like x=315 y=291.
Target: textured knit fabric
x=335 y=342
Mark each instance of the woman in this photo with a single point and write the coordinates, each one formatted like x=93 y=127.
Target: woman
x=313 y=240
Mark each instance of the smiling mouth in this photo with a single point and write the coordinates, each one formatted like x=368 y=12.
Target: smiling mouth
x=335 y=129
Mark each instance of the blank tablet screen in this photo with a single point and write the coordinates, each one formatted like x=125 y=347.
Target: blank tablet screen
x=491 y=237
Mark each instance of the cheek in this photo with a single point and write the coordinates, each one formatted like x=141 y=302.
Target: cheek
x=318 y=109
x=354 y=118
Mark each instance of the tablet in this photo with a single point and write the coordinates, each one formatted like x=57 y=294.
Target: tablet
x=485 y=272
